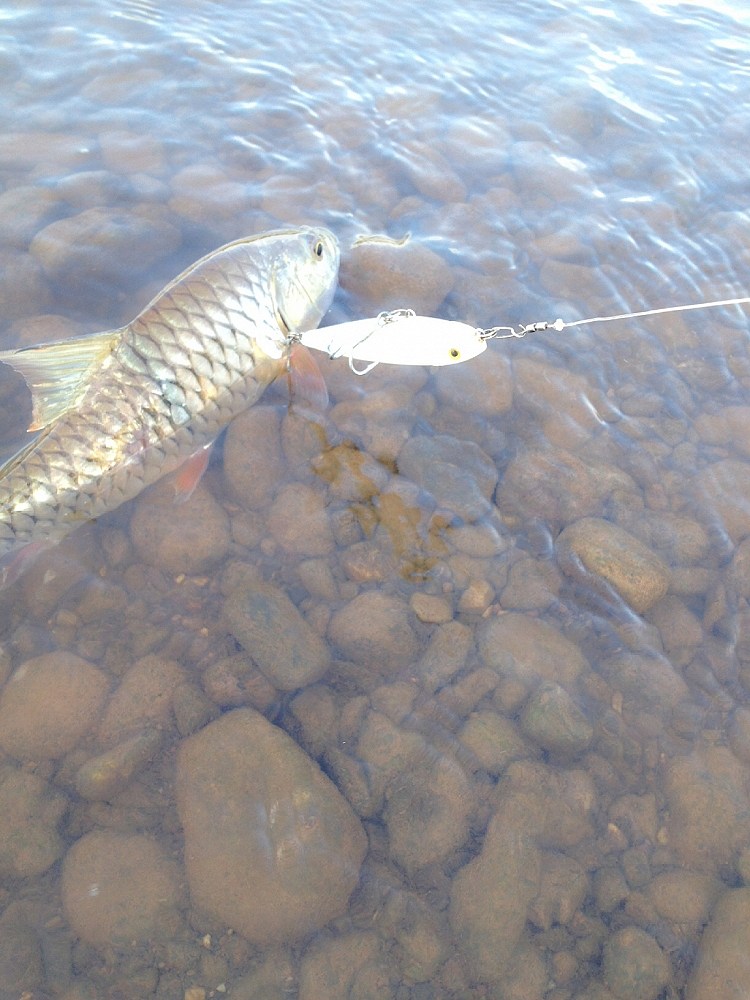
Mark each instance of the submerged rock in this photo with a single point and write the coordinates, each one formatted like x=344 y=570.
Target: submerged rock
x=374 y=630
x=722 y=969
x=287 y=651
x=30 y=810
x=553 y=721
x=272 y=849
x=119 y=888
x=598 y=553
x=635 y=967
x=49 y=704
x=529 y=650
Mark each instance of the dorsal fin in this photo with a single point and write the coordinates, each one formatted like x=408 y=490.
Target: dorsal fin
x=57 y=374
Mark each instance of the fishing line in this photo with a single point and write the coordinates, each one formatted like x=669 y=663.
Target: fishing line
x=502 y=332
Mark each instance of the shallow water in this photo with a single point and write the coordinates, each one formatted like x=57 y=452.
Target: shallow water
x=551 y=770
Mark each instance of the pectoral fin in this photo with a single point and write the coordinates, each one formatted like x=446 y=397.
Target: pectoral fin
x=190 y=473
x=57 y=374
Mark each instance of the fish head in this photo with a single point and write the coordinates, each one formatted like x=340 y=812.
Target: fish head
x=305 y=274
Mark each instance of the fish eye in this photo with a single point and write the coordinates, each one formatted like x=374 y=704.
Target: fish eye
x=318 y=248
x=454 y=353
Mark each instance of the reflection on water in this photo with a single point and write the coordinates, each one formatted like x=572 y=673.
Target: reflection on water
x=442 y=692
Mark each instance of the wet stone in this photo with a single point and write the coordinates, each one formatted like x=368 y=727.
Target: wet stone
x=563 y=886
x=649 y=683
x=189 y=537
x=286 y=649
x=39 y=205
x=49 y=704
x=722 y=968
x=271 y=847
x=722 y=489
x=23 y=286
x=142 y=700
x=374 y=630
x=598 y=553
x=445 y=656
x=119 y=888
x=553 y=721
x=431 y=608
x=458 y=474
x=635 y=967
x=348 y=966
x=21 y=966
x=30 y=811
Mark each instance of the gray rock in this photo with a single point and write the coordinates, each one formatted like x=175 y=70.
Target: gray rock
x=287 y=651
x=605 y=557
x=271 y=847
x=635 y=967
x=553 y=721
x=458 y=474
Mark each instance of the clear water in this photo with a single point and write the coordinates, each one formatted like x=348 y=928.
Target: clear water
x=562 y=159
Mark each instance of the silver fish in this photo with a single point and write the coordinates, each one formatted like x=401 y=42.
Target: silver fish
x=115 y=411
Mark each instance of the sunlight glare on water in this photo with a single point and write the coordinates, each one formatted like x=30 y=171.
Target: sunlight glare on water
x=443 y=691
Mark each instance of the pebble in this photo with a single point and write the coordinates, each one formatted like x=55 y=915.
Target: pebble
x=600 y=554
x=120 y=888
x=190 y=537
x=382 y=276
x=374 y=630
x=253 y=474
x=427 y=810
x=272 y=849
x=286 y=649
x=722 y=969
x=563 y=401
x=532 y=584
x=563 y=887
x=485 y=384
x=708 y=803
x=552 y=720
x=529 y=649
x=458 y=474
x=445 y=656
x=684 y=897
x=635 y=967
x=49 y=704
x=30 y=811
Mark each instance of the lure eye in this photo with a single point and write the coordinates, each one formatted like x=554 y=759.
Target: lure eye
x=318 y=249
x=454 y=353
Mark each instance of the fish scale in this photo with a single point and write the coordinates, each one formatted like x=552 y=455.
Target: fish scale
x=200 y=353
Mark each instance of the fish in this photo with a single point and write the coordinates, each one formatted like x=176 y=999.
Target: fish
x=115 y=411
x=398 y=338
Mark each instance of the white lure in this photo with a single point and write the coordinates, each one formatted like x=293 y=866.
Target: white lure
x=397 y=338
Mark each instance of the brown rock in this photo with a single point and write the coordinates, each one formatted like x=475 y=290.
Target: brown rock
x=143 y=698
x=119 y=888
x=271 y=847
x=49 y=704
x=298 y=521
x=602 y=555
x=635 y=967
x=253 y=474
x=723 y=489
